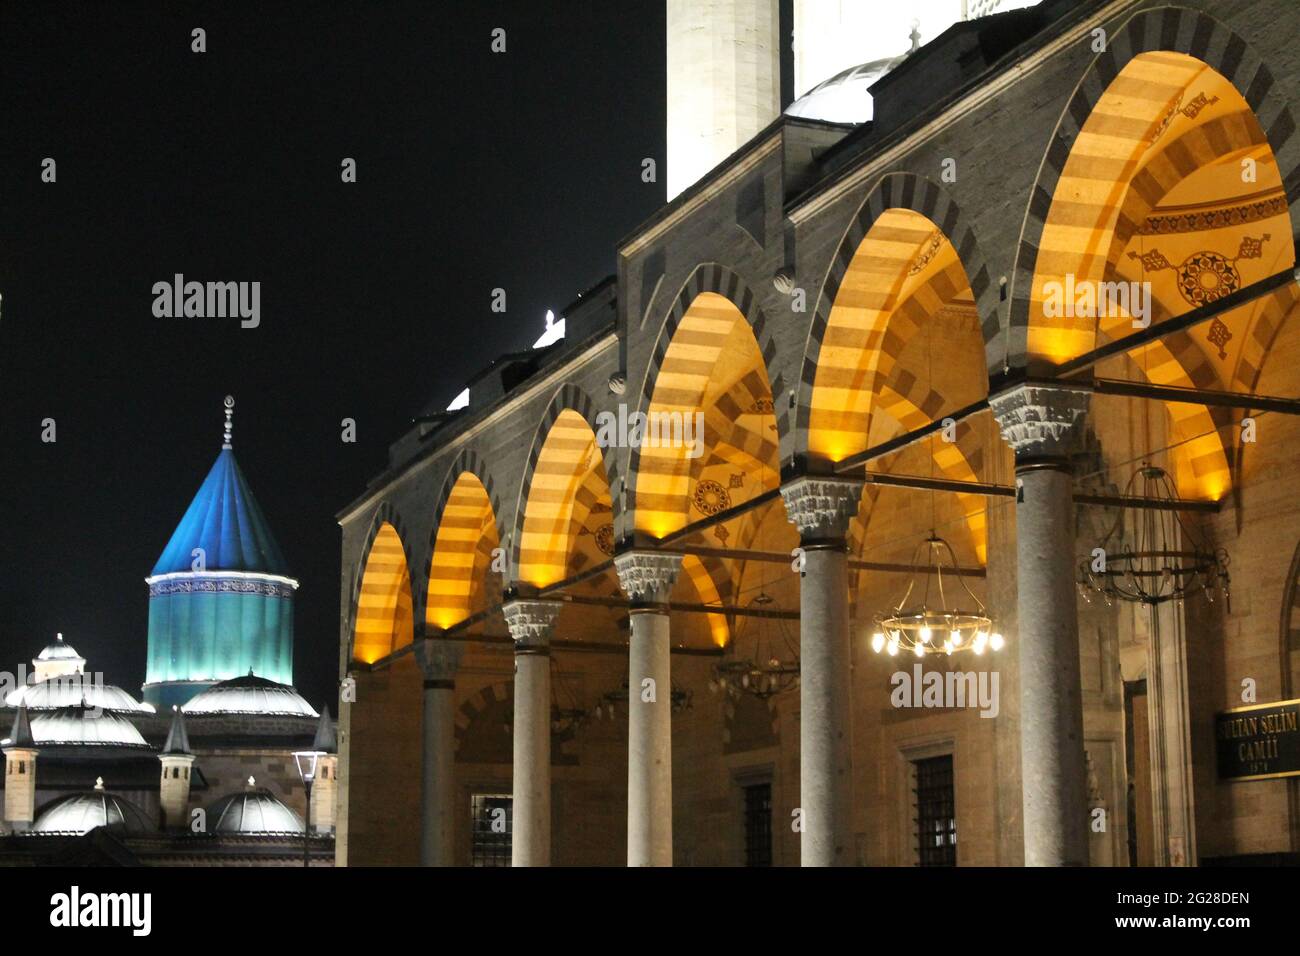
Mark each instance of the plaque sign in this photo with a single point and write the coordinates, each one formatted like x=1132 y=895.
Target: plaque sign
x=1259 y=742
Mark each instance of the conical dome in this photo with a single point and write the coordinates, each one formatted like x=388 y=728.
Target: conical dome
x=220 y=598
x=225 y=520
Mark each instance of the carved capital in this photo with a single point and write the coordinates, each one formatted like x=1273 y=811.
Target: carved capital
x=821 y=508
x=647 y=576
x=1039 y=421
x=530 y=622
x=439 y=659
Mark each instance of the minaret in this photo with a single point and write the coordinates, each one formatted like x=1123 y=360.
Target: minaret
x=724 y=81
x=174 y=789
x=220 y=595
x=325 y=790
x=20 y=773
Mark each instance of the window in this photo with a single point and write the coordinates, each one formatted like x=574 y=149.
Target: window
x=758 y=824
x=936 y=816
x=491 y=824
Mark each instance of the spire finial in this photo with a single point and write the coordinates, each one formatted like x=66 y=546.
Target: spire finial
x=230 y=414
x=915 y=36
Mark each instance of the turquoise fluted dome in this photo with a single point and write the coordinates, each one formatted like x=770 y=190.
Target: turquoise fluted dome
x=220 y=596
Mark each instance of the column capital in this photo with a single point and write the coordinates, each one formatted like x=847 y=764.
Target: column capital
x=647 y=576
x=821 y=508
x=1039 y=421
x=531 y=621
x=438 y=658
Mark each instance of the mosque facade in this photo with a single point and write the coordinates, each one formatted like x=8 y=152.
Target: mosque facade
x=987 y=551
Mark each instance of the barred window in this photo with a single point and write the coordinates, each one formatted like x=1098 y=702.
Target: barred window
x=758 y=824
x=491 y=826
x=936 y=816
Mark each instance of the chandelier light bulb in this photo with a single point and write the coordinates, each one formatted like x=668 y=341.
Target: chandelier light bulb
x=877 y=642
x=918 y=650
x=955 y=637
x=893 y=648
x=925 y=633
x=996 y=642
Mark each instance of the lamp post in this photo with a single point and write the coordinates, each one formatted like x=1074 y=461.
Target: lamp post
x=306 y=761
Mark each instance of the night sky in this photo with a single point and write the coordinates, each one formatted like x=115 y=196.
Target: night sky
x=475 y=170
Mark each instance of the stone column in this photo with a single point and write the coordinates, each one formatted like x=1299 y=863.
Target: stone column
x=439 y=661
x=648 y=577
x=1039 y=423
x=530 y=624
x=1173 y=813
x=822 y=508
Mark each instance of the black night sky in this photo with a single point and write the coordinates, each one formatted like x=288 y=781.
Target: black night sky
x=475 y=170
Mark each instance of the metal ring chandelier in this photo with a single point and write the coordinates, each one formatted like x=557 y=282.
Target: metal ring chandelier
x=924 y=629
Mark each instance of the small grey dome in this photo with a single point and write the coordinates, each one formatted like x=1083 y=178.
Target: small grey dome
x=249 y=695
x=252 y=811
x=59 y=650
x=70 y=690
x=81 y=812
x=84 y=725
x=844 y=97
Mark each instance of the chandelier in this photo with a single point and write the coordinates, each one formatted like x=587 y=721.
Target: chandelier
x=1149 y=555
x=774 y=667
x=923 y=628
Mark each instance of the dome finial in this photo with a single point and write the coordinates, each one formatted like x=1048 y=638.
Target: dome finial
x=99 y=784
x=59 y=636
x=915 y=36
x=230 y=414
x=251 y=783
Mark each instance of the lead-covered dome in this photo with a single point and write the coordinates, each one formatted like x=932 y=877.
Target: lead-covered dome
x=84 y=726
x=59 y=650
x=78 y=813
x=254 y=811
x=71 y=690
x=249 y=695
x=844 y=97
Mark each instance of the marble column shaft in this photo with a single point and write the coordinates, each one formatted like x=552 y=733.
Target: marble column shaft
x=822 y=508
x=647 y=578
x=530 y=624
x=1039 y=422
x=439 y=661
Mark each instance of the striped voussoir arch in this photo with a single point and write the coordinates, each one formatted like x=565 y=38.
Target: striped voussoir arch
x=380 y=613
x=677 y=378
x=1160 y=29
x=1255 y=352
x=895 y=192
x=465 y=531
x=555 y=495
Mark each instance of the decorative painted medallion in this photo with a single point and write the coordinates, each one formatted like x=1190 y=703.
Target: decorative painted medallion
x=710 y=497
x=605 y=538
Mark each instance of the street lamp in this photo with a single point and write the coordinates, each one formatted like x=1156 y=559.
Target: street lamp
x=306 y=761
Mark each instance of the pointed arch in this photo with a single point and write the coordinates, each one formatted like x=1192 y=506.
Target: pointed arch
x=382 y=614
x=564 y=519
x=464 y=540
x=1169 y=29
x=714 y=348
x=904 y=259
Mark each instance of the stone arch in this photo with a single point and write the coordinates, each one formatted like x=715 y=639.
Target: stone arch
x=895 y=192
x=573 y=400
x=388 y=529
x=467 y=463
x=1170 y=29
x=718 y=280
